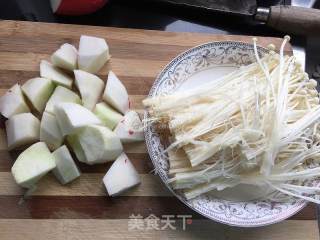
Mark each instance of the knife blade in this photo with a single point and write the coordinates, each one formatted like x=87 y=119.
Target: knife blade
x=289 y=19
x=236 y=7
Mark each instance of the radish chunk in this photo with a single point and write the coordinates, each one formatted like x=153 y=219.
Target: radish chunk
x=12 y=102
x=73 y=141
x=32 y=164
x=65 y=57
x=72 y=116
x=22 y=129
x=107 y=115
x=93 y=53
x=116 y=94
x=50 y=132
x=66 y=169
x=38 y=91
x=121 y=176
x=90 y=87
x=47 y=70
x=61 y=94
x=130 y=128
x=99 y=144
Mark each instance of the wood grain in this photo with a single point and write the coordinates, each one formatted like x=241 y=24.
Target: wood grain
x=103 y=207
x=141 y=161
x=122 y=66
x=87 y=185
x=82 y=209
x=118 y=229
x=71 y=33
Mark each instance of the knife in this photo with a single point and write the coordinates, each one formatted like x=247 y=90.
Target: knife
x=284 y=18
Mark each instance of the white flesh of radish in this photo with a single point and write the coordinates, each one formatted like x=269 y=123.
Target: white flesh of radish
x=121 y=176
x=38 y=91
x=66 y=170
x=90 y=87
x=72 y=116
x=116 y=94
x=107 y=115
x=130 y=128
x=93 y=53
x=47 y=70
x=65 y=57
x=60 y=95
x=50 y=132
x=32 y=164
x=12 y=102
x=22 y=129
x=99 y=144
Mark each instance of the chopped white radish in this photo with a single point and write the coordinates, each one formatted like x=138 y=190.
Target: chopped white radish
x=99 y=144
x=66 y=169
x=93 y=53
x=61 y=94
x=116 y=94
x=12 y=102
x=65 y=57
x=22 y=129
x=107 y=115
x=121 y=176
x=72 y=116
x=32 y=164
x=47 y=70
x=38 y=91
x=130 y=128
x=90 y=87
x=50 y=132
x=73 y=141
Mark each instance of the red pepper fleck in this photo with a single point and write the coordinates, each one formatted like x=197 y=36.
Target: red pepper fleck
x=131 y=132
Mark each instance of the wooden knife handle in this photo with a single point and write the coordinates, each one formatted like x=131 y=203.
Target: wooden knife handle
x=296 y=20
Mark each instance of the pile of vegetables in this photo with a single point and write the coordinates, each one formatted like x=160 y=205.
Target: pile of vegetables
x=62 y=107
x=258 y=125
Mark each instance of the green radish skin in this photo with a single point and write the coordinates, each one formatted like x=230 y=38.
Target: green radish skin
x=90 y=87
x=107 y=115
x=73 y=141
x=12 y=102
x=38 y=92
x=32 y=164
x=60 y=95
x=121 y=176
x=18 y=136
x=65 y=57
x=50 y=132
x=47 y=70
x=66 y=169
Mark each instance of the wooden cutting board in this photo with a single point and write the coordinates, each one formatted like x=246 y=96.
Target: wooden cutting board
x=81 y=210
